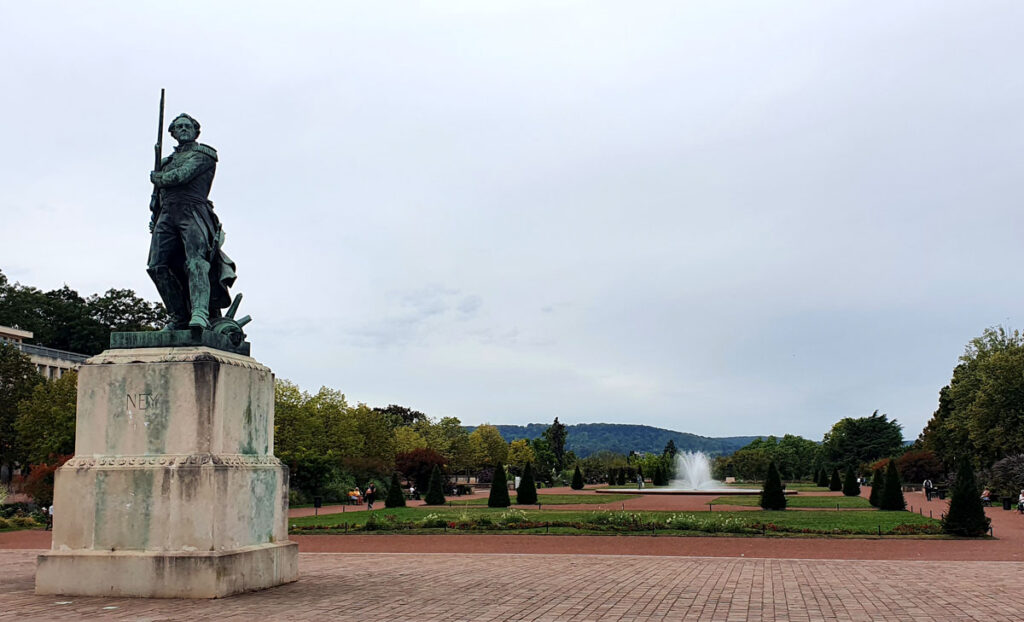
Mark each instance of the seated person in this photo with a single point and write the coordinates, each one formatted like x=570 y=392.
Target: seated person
x=986 y=496
x=354 y=494
x=1020 y=503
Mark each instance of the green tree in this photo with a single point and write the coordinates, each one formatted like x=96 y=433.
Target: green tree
x=435 y=491
x=892 y=494
x=556 y=435
x=488 y=445
x=46 y=419
x=981 y=410
x=773 y=496
x=62 y=319
x=124 y=311
x=18 y=379
x=850 y=486
x=877 y=486
x=852 y=442
x=395 y=498
x=398 y=416
x=418 y=466
x=835 y=484
x=670 y=449
x=520 y=453
x=966 y=515
x=499 y=489
x=577 y=479
x=408 y=439
x=526 y=494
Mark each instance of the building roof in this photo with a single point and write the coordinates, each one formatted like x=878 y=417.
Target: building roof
x=7 y=331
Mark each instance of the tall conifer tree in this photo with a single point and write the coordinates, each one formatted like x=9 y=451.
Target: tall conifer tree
x=499 y=489
x=526 y=494
x=850 y=486
x=892 y=495
x=966 y=515
x=435 y=491
x=773 y=496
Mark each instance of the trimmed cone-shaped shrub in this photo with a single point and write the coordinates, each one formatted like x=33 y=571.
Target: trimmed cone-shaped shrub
x=620 y=478
x=966 y=515
x=835 y=484
x=892 y=495
x=773 y=497
x=577 y=479
x=659 y=477
x=499 y=489
x=823 y=478
x=612 y=478
x=435 y=491
x=850 y=486
x=395 y=498
x=526 y=494
x=877 y=486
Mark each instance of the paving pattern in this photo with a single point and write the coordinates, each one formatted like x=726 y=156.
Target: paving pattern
x=482 y=587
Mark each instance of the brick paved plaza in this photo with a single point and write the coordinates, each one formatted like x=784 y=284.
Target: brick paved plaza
x=435 y=587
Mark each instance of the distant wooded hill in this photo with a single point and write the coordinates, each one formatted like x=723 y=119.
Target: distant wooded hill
x=587 y=438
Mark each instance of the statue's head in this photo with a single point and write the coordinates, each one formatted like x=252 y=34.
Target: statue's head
x=184 y=128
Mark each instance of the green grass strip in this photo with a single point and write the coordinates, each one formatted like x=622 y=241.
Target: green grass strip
x=798 y=501
x=498 y=520
x=558 y=499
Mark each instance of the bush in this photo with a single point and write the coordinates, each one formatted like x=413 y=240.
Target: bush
x=395 y=498
x=877 y=486
x=39 y=482
x=835 y=484
x=917 y=466
x=1008 y=476
x=773 y=496
x=435 y=490
x=4 y=524
x=850 y=486
x=526 y=494
x=499 y=489
x=966 y=515
x=612 y=477
x=892 y=495
x=577 y=479
x=620 y=477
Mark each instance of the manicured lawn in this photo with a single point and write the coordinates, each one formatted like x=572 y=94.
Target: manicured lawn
x=497 y=520
x=798 y=501
x=544 y=499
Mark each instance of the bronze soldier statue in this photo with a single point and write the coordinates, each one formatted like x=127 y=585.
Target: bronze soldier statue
x=186 y=262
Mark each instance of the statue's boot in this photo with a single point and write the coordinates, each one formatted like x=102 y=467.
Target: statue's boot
x=199 y=291
x=169 y=288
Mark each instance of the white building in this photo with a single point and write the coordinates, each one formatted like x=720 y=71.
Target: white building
x=49 y=362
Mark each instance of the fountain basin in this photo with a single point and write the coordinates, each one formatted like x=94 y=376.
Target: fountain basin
x=718 y=492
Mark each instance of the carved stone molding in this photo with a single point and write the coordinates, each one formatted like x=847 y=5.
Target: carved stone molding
x=174 y=460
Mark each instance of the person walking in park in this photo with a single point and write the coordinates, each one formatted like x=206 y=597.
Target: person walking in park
x=371 y=493
x=927 y=485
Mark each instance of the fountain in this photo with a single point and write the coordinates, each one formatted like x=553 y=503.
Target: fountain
x=693 y=477
x=693 y=472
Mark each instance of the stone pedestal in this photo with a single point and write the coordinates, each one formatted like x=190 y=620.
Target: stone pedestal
x=173 y=490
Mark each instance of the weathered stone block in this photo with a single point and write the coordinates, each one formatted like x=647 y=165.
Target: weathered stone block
x=173 y=475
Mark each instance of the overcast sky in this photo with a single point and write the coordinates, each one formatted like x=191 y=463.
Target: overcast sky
x=723 y=218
